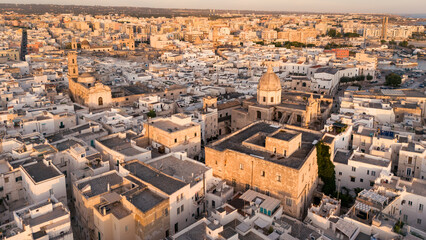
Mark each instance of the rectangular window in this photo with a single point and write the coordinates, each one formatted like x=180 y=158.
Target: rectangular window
x=247 y=186
x=361 y=180
x=262 y=173
x=340 y=173
x=368 y=172
x=405 y=218
x=419 y=221
x=371 y=183
x=373 y=173
x=175 y=140
x=420 y=207
x=410 y=203
x=241 y=166
x=288 y=202
x=264 y=99
x=353 y=169
x=181 y=208
x=18 y=179
x=166 y=212
x=6 y=179
x=278 y=178
x=352 y=179
x=178 y=211
x=234 y=183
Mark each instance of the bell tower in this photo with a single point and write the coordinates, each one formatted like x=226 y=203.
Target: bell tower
x=72 y=65
x=73 y=44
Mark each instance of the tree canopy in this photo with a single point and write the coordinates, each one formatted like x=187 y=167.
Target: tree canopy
x=403 y=44
x=393 y=80
x=151 y=114
x=334 y=33
x=326 y=168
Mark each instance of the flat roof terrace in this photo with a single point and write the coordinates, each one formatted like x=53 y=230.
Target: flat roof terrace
x=146 y=200
x=40 y=171
x=185 y=170
x=284 y=135
x=296 y=160
x=144 y=172
x=169 y=126
x=120 y=145
x=99 y=185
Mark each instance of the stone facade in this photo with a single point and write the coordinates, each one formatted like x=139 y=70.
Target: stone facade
x=258 y=158
x=85 y=89
x=177 y=133
x=301 y=109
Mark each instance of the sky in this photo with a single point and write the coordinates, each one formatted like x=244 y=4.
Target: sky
x=341 y=6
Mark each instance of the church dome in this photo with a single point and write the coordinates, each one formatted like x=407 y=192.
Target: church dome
x=86 y=78
x=269 y=81
x=85 y=42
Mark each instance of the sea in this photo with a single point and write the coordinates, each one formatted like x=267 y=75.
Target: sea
x=417 y=15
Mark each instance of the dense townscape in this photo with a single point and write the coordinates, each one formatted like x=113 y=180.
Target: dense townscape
x=231 y=125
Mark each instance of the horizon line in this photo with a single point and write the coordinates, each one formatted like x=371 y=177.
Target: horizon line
x=272 y=11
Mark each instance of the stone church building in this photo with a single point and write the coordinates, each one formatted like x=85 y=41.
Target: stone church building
x=85 y=89
x=299 y=109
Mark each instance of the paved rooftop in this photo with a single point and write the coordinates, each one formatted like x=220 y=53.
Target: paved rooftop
x=146 y=200
x=187 y=171
x=120 y=145
x=99 y=185
x=296 y=160
x=370 y=160
x=169 y=126
x=284 y=135
x=152 y=176
x=40 y=172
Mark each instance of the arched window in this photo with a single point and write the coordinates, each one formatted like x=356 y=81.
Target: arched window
x=100 y=101
x=304 y=84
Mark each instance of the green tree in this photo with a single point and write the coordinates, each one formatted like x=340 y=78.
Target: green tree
x=278 y=44
x=332 y=33
x=392 y=42
x=351 y=35
x=382 y=41
x=393 y=80
x=151 y=114
x=403 y=44
x=358 y=190
x=326 y=168
x=369 y=77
